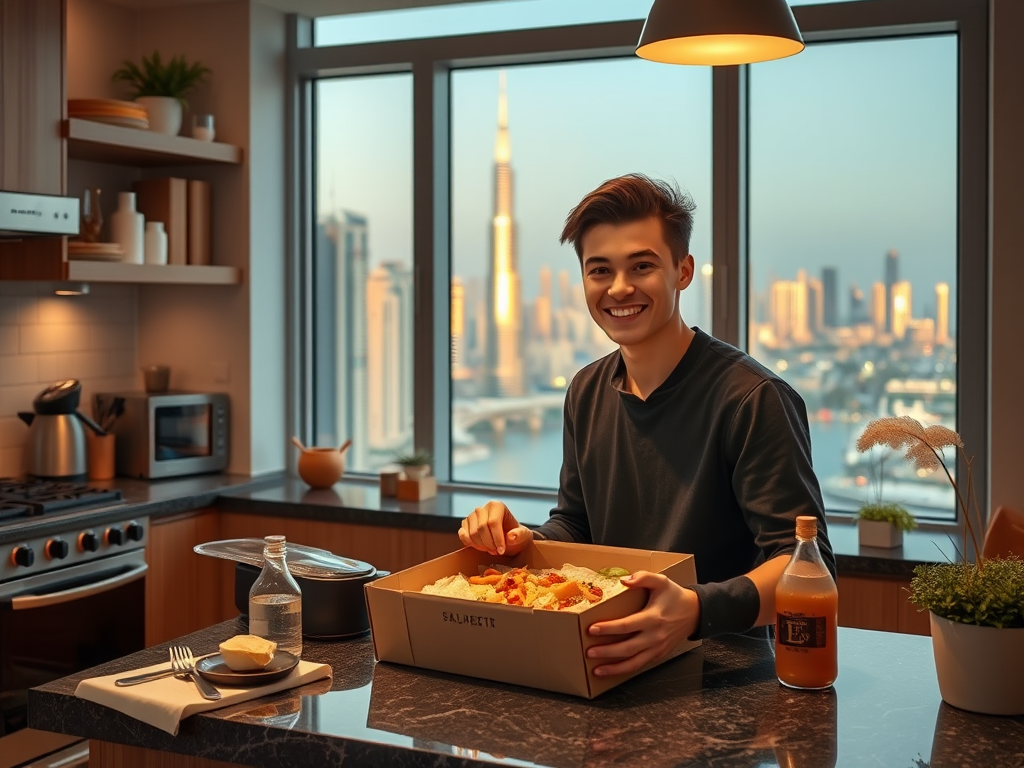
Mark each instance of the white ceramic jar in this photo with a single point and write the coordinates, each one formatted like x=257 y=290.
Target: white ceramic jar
x=156 y=243
x=127 y=227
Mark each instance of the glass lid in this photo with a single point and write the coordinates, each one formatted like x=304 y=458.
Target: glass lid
x=308 y=562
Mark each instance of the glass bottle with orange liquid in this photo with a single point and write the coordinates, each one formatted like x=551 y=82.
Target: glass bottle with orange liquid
x=807 y=611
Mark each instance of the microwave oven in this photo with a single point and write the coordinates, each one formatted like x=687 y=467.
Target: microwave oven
x=167 y=434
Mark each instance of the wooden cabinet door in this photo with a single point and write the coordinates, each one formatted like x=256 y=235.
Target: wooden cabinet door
x=33 y=152
x=183 y=589
x=32 y=104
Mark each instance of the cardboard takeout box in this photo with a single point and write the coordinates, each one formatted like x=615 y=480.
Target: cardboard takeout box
x=512 y=644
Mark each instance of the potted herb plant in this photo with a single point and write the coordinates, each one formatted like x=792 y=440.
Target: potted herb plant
x=416 y=464
x=883 y=525
x=161 y=87
x=976 y=605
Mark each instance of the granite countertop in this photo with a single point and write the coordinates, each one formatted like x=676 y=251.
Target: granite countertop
x=719 y=705
x=360 y=502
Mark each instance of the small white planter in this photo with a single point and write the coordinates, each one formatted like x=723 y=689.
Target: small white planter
x=416 y=472
x=879 y=533
x=979 y=668
x=164 y=113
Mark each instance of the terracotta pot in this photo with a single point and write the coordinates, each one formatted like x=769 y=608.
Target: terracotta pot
x=979 y=668
x=321 y=467
x=879 y=533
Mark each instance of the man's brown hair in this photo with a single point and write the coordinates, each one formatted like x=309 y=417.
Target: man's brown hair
x=634 y=197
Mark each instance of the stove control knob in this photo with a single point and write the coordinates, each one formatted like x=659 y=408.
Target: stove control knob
x=57 y=549
x=23 y=556
x=88 y=542
x=114 y=536
x=134 y=531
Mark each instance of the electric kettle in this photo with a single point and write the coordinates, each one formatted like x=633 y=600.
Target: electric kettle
x=56 y=437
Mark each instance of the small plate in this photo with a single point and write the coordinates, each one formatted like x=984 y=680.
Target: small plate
x=217 y=672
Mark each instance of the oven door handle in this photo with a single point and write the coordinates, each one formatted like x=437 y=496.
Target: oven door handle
x=77 y=593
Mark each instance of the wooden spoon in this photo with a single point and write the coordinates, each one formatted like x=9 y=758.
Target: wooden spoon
x=345 y=445
x=298 y=444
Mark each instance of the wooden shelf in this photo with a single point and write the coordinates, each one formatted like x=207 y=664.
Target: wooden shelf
x=115 y=272
x=89 y=140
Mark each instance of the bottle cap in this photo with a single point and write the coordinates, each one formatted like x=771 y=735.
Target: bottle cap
x=806 y=527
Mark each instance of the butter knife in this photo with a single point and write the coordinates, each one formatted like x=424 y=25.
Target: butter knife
x=143 y=678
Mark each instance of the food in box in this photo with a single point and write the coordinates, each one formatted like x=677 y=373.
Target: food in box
x=509 y=643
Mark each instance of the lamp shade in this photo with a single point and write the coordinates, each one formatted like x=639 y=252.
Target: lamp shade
x=719 y=32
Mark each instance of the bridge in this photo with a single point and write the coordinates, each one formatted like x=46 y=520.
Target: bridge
x=499 y=411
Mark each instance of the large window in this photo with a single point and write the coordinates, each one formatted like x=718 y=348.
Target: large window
x=853 y=251
x=362 y=268
x=520 y=327
x=840 y=225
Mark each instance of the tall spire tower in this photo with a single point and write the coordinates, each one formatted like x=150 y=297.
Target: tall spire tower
x=504 y=355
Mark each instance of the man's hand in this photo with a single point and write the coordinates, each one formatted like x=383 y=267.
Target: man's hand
x=671 y=616
x=493 y=529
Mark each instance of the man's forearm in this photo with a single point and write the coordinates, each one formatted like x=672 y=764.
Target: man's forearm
x=766 y=578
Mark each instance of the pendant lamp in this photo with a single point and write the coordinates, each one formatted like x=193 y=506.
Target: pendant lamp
x=719 y=32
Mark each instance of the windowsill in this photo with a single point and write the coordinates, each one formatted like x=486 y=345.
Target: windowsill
x=359 y=501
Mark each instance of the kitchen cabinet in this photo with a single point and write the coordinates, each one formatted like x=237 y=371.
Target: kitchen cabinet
x=879 y=602
x=32 y=108
x=183 y=589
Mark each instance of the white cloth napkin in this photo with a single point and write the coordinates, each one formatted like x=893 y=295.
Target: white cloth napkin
x=166 y=702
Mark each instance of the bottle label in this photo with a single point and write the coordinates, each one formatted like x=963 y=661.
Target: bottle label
x=802 y=631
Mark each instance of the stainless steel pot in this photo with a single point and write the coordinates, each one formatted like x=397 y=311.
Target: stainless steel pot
x=56 y=438
x=333 y=599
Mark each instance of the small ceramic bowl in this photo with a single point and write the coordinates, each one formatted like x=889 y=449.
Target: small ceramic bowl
x=321 y=467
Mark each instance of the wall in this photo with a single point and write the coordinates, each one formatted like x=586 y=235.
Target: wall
x=46 y=338
x=1006 y=404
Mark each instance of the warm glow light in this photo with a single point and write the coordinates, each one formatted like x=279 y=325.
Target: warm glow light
x=707 y=270
x=502 y=298
x=719 y=50
x=782 y=365
x=558 y=382
x=72 y=289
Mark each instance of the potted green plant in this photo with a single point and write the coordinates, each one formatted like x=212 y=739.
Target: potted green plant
x=883 y=525
x=976 y=605
x=161 y=87
x=415 y=464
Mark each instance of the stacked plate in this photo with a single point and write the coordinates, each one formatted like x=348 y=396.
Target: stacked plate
x=82 y=251
x=123 y=113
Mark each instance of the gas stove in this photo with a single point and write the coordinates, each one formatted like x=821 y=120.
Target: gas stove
x=29 y=498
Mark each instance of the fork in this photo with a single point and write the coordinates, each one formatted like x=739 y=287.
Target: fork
x=185 y=665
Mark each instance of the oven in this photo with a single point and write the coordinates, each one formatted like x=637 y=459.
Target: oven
x=70 y=598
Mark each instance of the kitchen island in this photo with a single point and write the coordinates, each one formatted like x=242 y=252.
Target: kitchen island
x=719 y=705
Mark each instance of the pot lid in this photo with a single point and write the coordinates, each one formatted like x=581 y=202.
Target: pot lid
x=308 y=562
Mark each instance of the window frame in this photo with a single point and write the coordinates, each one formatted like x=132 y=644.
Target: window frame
x=431 y=60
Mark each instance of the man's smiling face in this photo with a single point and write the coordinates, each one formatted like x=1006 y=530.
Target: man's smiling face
x=631 y=282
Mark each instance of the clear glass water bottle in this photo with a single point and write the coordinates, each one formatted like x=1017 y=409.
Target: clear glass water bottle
x=275 y=600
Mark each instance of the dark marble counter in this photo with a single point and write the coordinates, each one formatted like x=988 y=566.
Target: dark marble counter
x=153 y=498
x=360 y=502
x=719 y=705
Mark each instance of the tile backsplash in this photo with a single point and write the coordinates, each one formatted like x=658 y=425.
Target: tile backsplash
x=46 y=338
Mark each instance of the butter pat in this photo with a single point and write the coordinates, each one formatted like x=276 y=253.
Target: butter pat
x=244 y=653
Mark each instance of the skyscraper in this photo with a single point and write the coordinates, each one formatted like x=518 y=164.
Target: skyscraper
x=542 y=307
x=504 y=343
x=901 y=308
x=458 y=330
x=892 y=276
x=942 y=313
x=858 y=310
x=389 y=357
x=340 y=302
x=879 y=303
x=830 y=298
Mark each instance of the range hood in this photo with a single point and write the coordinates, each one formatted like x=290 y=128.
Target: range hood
x=24 y=214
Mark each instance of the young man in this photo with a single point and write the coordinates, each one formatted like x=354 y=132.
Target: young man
x=676 y=442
